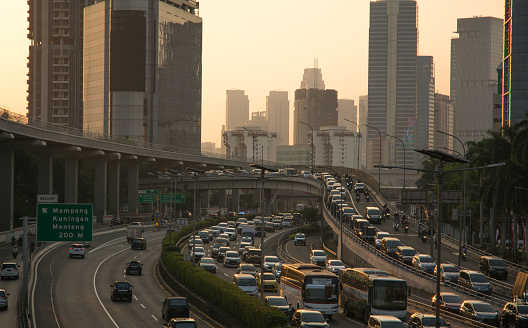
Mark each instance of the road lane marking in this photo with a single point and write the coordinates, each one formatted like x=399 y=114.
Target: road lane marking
x=355 y=321
x=135 y=297
x=95 y=289
x=143 y=306
x=51 y=292
x=154 y=317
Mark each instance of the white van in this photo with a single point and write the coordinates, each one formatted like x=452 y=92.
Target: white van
x=246 y=282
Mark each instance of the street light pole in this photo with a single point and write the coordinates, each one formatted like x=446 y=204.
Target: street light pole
x=196 y=171
x=379 y=168
x=358 y=137
x=463 y=228
x=313 y=154
x=404 y=162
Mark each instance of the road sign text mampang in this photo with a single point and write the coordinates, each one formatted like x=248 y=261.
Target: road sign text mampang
x=64 y=222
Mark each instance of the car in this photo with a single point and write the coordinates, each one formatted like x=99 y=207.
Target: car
x=121 y=290
x=287 y=223
x=246 y=268
x=231 y=259
x=221 y=253
x=450 y=302
x=334 y=265
x=269 y=262
x=308 y=318
x=195 y=241
x=424 y=262
x=389 y=245
x=258 y=231
x=381 y=321
x=280 y=303
x=359 y=187
x=421 y=320
x=174 y=307
x=214 y=249
x=480 y=311
x=204 y=236
x=241 y=220
x=215 y=230
x=379 y=236
x=9 y=271
x=300 y=239
x=405 y=254
x=448 y=272
x=181 y=323
x=231 y=232
x=254 y=256
x=515 y=314
x=246 y=252
x=493 y=267
x=242 y=247
x=4 y=302
x=134 y=267
x=247 y=239
x=77 y=250
x=197 y=253
x=231 y=224
x=318 y=257
x=138 y=224
x=277 y=223
x=267 y=281
x=222 y=226
x=138 y=243
x=208 y=264
x=276 y=270
x=222 y=240
x=269 y=227
x=474 y=280
x=246 y=282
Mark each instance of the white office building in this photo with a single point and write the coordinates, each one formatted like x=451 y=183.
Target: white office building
x=251 y=144
x=335 y=146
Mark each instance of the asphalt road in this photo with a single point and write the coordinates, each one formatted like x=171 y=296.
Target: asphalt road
x=11 y=286
x=74 y=292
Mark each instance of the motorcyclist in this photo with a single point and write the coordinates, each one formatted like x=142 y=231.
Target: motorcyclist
x=420 y=230
x=435 y=240
x=13 y=241
x=358 y=197
x=15 y=251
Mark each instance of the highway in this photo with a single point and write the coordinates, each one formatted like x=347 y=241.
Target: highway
x=75 y=292
x=9 y=316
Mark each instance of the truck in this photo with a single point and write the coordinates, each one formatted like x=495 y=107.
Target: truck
x=248 y=231
x=134 y=231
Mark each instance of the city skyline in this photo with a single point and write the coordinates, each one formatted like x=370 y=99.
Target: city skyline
x=259 y=58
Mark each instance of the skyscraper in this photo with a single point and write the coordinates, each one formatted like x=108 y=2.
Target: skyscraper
x=443 y=121
x=475 y=55
x=425 y=101
x=515 y=57
x=278 y=110
x=363 y=115
x=393 y=44
x=142 y=71
x=314 y=107
x=312 y=79
x=237 y=109
x=55 y=61
x=347 y=110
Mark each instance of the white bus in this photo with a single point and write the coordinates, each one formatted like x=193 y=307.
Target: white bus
x=369 y=291
x=307 y=286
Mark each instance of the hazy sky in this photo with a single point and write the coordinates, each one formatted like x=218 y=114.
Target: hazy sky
x=259 y=46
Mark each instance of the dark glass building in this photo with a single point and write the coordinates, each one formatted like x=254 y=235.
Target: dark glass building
x=142 y=71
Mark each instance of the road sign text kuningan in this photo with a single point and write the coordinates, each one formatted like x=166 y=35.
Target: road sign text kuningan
x=64 y=222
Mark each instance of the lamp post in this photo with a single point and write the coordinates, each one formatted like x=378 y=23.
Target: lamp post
x=404 y=162
x=313 y=155
x=463 y=229
x=379 y=169
x=442 y=157
x=196 y=171
x=359 y=136
x=262 y=170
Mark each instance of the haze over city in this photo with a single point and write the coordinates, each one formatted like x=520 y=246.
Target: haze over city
x=259 y=47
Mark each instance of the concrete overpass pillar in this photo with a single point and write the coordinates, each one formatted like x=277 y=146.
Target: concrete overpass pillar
x=114 y=169
x=7 y=176
x=100 y=189
x=256 y=197
x=235 y=203
x=204 y=198
x=222 y=200
x=45 y=174
x=133 y=181
x=71 y=180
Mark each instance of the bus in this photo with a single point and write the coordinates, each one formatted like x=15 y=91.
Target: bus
x=369 y=291
x=307 y=286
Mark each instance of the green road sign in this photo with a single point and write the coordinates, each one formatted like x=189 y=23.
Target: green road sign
x=152 y=191
x=146 y=198
x=173 y=198
x=64 y=222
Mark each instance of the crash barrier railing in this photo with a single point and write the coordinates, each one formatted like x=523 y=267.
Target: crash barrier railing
x=493 y=299
x=283 y=255
x=448 y=316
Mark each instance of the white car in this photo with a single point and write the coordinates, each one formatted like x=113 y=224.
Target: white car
x=424 y=262
x=197 y=253
x=77 y=250
x=231 y=232
x=222 y=226
x=231 y=259
x=334 y=266
x=269 y=262
x=215 y=230
x=379 y=236
x=318 y=257
x=9 y=270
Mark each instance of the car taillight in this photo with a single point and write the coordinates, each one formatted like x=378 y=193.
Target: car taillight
x=3 y=298
x=71 y=248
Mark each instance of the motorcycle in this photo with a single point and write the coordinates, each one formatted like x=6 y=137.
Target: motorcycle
x=396 y=226
x=13 y=241
x=358 y=197
x=464 y=256
x=367 y=197
x=424 y=238
x=406 y=227
x=15 y=253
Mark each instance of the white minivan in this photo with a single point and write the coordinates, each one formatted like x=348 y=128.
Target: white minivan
x=246 y=282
